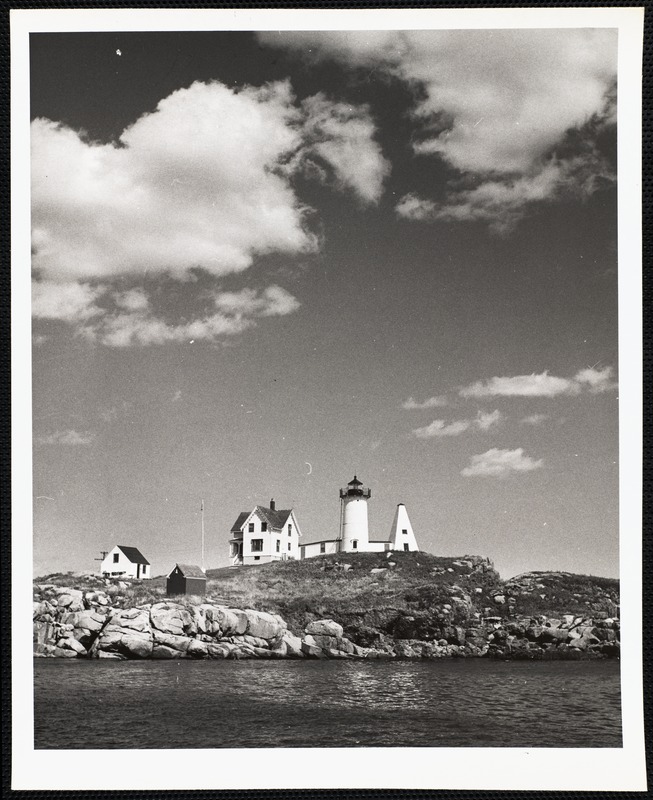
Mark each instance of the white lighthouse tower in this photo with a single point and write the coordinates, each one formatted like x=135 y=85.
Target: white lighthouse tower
x=402 y=536
x=354 y=534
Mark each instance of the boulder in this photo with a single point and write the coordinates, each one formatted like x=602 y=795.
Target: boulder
x=70 y=601
x=325 y=627
x=263 y=625
x=119 y=637
x=197 y=649
x=218 y=650
x=134 y=619
x=172 y=618
x=171 y=640
x=161 y=651
x=72 y=644
x=43 y=633
x=256 y=641
x=312 y=651
x=293 y=645
x=280 y=649
x=555 y=635
x=64 y=652
x=89 y=620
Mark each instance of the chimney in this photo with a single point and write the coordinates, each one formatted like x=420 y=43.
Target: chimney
x=272 y=505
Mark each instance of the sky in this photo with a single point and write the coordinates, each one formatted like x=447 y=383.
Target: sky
x=265 y=262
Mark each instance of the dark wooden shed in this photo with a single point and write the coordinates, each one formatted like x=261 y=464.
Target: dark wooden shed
x=186 y=579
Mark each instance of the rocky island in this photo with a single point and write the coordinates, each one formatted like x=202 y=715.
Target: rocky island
x=364 y=605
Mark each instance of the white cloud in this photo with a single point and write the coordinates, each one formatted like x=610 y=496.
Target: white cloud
x=542 y=385
x=152 y=202
x=132 y=300
x=342 y=135
x=493 y=104
x=535 y=419
x=431 y=402
x=69 y=301
x=497 y=463
x=484 y=421
x=236 y=312
x=598 y=380
x=502 y=201
x=70 y=437
x=440 y=428
x=416 y=208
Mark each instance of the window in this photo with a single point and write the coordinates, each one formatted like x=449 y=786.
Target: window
x=264 y=526
x=250 y=527
x=116 y=558
x=289 y=546
x=143 y=568
x=404 y=531
x=257 y=558
x=278 y=545
x=289 y=530
x=354 y=545
x=322 y=547
x=406 y=547
x=257 y=545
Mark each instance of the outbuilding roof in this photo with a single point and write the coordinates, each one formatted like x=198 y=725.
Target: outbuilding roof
x=133 y=554
x=189 y=571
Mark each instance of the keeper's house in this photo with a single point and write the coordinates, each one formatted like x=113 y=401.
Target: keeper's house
x=186 y=579
x=125 y=562
x=264 y=534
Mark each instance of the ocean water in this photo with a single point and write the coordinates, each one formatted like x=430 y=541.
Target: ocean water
x=209 y=704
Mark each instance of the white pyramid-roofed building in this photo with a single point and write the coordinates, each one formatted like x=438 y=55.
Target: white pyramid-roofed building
x=402 y=536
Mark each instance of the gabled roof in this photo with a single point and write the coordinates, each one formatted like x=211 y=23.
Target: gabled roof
x=242 y=518
x=276 y=518
x=189 y=571
x=133 y=554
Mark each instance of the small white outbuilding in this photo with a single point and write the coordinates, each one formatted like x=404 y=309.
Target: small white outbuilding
x=402 y=536
x=125 y=562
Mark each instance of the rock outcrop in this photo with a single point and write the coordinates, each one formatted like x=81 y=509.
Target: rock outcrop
x=173 y=630
x=413 y=605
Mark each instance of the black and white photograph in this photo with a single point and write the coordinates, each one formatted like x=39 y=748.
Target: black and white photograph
x=330 y=412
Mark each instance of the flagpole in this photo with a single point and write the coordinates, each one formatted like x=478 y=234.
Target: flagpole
x=202 y=536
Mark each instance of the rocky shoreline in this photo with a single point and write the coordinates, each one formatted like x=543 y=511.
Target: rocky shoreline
x=71 y=623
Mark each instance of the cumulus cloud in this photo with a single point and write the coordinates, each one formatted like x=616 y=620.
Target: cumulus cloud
x=152 y=201
x=234 y=313
x=438 y=428
x=204 y=181
x=70 y=437
x=495 y=105
x=486 y=420
x=498 y=463
x=542 y=385
x=598 y=380
x=68 y=301
x=431 y=402
x=132 y=300
x=342 y=136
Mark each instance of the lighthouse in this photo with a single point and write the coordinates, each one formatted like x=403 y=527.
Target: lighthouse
x=354 y=534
